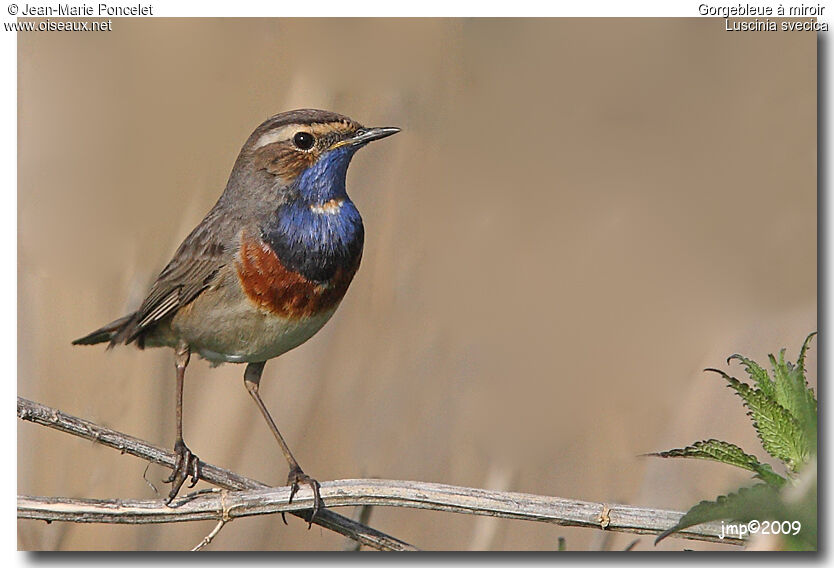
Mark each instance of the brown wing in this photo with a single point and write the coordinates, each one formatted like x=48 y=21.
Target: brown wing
x=192 y=270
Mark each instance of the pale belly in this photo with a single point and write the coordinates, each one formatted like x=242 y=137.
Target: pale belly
x=228 y=328
x=272 y=339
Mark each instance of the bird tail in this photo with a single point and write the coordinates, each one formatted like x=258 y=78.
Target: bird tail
x=106 y=333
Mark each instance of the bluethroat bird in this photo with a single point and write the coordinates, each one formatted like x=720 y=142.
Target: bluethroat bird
x=264 y=270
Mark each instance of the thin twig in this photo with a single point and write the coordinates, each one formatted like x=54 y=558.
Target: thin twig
x=353 y=492
x=225 y=518
x=363 y=515
x=210 y=536
x=53 y=418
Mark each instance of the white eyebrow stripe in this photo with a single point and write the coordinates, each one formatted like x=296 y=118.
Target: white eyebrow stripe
x=278 y=135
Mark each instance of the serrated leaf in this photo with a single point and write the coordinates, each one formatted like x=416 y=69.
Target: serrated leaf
x=800 y=361
x=807 y=400
x=730 y=454
x=783 y=384
x=793 y=393
x=760 y=502
x=805 y=408
x=778 y=430
x=757 y=373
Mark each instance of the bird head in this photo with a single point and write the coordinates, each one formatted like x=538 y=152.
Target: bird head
x=306 y=152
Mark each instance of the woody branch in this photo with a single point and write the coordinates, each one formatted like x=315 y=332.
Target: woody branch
x=248 y=497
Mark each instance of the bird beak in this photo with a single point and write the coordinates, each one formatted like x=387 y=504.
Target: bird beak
x=365 y=135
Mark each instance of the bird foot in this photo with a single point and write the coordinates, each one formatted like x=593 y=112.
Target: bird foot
x=187 y=464
x=296 y=478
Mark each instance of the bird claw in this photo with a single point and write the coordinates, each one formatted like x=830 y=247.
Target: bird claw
x=296 y=478
x=187 y=464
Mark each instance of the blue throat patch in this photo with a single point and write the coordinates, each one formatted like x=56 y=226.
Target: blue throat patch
x=308 y=240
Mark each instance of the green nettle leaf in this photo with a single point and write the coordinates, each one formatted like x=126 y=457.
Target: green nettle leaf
x=729 y=454
x=800 y=368
x=760 y=502
x=784 y=413
x=807 y=402
x=756 y=373
x=793 y=393
x=778 y=430
x=786 y=394
x=800 y=361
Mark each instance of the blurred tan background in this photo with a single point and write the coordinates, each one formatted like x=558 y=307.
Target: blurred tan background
x=578 y=217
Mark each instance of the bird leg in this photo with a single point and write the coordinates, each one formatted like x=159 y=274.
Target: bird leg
x=187 y=463
x=252 y=379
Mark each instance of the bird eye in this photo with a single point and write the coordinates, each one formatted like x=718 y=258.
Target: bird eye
x=303 y=140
